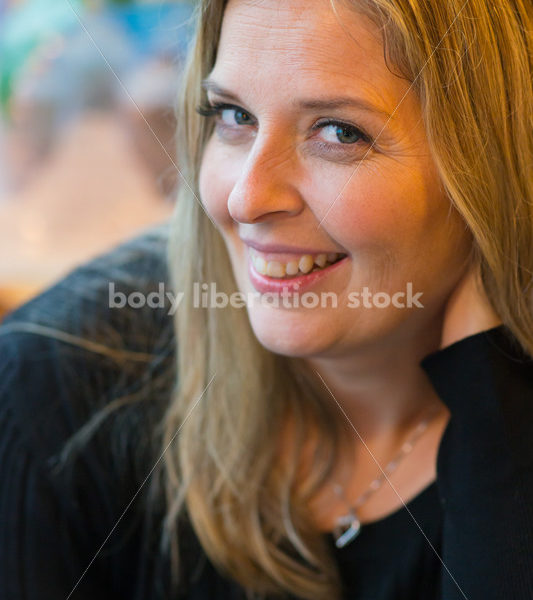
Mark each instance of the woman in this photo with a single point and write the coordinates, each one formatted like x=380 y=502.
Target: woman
x=375 y=445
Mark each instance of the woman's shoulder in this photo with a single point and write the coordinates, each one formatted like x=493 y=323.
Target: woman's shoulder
x=67 y=357
x=71 y=351
x=486 y=381
x=70 y=359
x=491 y=362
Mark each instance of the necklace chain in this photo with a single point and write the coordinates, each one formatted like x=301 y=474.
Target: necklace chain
x=348 y=526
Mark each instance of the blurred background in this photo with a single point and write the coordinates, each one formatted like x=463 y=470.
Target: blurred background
x=87 y=130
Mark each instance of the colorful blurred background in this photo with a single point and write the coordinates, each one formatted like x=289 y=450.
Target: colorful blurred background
x=87 y=130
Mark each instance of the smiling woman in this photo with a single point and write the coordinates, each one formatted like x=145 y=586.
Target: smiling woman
x=369 y=150
x=337 y=147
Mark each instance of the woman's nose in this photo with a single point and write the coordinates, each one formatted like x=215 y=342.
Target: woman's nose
x=266 y=187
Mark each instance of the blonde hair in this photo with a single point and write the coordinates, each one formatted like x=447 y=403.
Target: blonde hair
x=470 y=64
x=235 y=405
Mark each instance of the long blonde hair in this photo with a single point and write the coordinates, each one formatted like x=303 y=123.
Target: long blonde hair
x=470 y=64
x=221 y=433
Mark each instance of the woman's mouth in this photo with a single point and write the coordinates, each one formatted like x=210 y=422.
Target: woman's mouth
x=295 y=266
x=279 y=273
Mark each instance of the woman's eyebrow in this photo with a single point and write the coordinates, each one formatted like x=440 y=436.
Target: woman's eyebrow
x=310 y=104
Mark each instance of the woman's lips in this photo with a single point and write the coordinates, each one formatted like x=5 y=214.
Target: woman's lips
x=299 y=283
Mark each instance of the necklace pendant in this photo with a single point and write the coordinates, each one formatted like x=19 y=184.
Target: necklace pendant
x=348 y=528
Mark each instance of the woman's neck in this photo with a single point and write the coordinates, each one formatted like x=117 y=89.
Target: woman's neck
x=381 y=388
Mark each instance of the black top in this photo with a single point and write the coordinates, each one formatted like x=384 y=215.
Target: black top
x=467 y=535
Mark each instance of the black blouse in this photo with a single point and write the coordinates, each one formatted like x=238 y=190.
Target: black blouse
x=91 y=532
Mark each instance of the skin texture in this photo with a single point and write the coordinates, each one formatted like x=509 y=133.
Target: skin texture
x=269 y=178
x=467 y=311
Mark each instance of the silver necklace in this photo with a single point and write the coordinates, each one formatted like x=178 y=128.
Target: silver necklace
x=348 y=526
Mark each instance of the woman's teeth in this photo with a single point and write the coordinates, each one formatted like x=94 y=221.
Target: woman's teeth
x=300 y=266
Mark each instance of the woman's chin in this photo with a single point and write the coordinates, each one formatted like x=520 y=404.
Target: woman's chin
x=291 y=335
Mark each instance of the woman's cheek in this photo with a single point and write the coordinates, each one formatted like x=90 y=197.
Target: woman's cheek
x=360 y=217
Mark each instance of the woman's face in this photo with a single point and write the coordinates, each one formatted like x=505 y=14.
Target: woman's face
x=320 y=149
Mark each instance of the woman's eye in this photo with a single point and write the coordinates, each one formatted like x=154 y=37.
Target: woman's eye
x=335 y=132
x=235 y=115
x=227 y=113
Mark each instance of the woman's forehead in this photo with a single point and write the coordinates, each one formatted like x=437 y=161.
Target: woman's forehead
x=269 y=45
x=300 y=29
